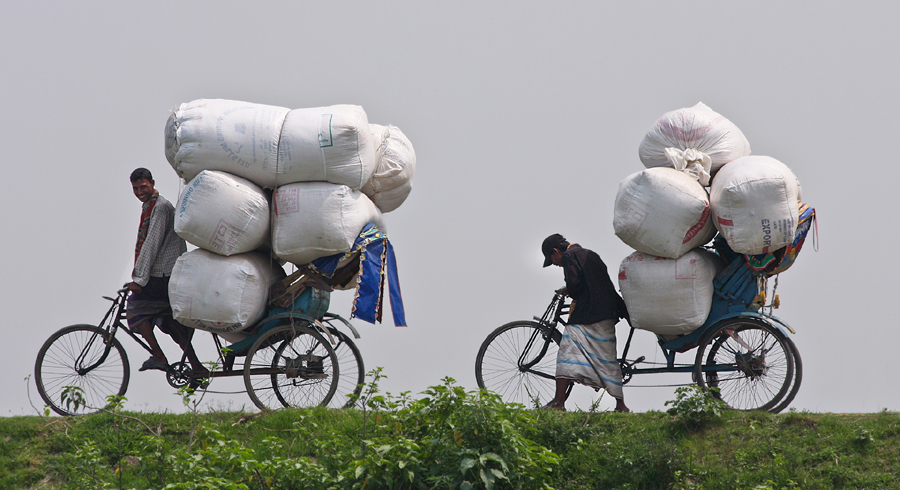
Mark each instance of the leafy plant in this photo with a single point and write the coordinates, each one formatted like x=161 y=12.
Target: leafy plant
x=696 y=407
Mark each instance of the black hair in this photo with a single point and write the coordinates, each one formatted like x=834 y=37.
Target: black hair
x=141 y=173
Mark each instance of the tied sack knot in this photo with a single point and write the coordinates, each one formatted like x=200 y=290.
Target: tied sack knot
x=692 y=162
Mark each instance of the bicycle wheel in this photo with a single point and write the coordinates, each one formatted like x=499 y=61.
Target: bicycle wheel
x=291 y=366
x=749 y=361
x=79 y=362
x=795 y=383
x=352 y=369
x=518 y=362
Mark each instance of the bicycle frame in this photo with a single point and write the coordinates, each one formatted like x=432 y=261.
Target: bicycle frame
x=111 y=322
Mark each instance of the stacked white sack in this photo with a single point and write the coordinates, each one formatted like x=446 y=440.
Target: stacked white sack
x=318 y=219
x=221 y=294
x=754 y=204
x=696 y=138
x=669 y=296
x=662 y=212
x=222 y=213
x=395 y=168
x=271 y=145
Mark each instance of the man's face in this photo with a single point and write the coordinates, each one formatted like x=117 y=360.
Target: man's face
x=556 y=257
x=143 y=189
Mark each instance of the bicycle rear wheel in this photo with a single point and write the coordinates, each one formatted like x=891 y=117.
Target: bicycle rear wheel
x=353 y=371
x=77 y=369
x=749 y=361
x=291 y=366
x=518 y=362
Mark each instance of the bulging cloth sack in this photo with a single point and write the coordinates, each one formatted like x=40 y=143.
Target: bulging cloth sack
x=695 y=138
x=754 y=204
x=318 y=219
x=395 y=168
x=222 y=213
x=669 y=296
x=662 y=212
x=221 y=294
x=271 y=145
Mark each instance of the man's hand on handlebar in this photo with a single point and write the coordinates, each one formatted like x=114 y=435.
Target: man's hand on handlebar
x=134 y=287
x=563 y=291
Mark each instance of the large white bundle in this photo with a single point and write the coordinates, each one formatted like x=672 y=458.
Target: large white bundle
x=318 y=219
x=221 y=294
x=669 y=296
x=754 y=204
x=271 y=145
x=696 y=138
x=222 y=213
x=236 y=137
x=662 y=212
x=395 y=168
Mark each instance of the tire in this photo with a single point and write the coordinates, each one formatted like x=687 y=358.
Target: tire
x=70 y=349
x=795 y=383
x=497 y=365
x=291 y=366
x=749 y=361
x=352 y=369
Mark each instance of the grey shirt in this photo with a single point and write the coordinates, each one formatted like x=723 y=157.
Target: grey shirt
x=162 y=247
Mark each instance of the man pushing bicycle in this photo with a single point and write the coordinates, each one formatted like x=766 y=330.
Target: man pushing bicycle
x=587 y=351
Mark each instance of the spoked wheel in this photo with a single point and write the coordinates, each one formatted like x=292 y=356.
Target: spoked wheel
x=353 y=372
x=77 y=369
x=291 y=366
x=749 y=361
x=518 y=362
x=795 y=383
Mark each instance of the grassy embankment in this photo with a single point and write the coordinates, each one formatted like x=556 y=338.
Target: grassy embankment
x=402 y=442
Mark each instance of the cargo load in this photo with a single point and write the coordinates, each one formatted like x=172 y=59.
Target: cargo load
x=695 y=138
x=662 y=212
x=271 y=145
x=221 y=294
x=222 y=213
x=755 y=203
x=669 y=296
x=395 y=167
x=318 y=219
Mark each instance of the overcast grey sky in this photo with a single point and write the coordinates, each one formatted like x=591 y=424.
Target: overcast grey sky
x=525 y=116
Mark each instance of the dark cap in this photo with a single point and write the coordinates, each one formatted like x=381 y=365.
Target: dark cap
x=551 y=243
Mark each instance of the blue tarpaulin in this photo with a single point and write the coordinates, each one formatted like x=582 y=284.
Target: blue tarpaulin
x=377 y=264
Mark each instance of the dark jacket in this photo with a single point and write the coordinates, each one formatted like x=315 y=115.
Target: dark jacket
x=590 y=287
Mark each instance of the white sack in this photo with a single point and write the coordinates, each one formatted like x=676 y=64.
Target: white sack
x=222 y=213
x=395 y=168
x=694 y=138
x=326 y=144
x=754 y=204
x=318 y=219
x=271 y=145
x=221 y=294
x=669 y=296
x=662 y=212
x=236 y=137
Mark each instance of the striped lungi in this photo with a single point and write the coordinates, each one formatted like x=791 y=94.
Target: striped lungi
x=598 y=342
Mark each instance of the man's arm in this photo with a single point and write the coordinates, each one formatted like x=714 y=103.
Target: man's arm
x=155 y=235
x=572 y=274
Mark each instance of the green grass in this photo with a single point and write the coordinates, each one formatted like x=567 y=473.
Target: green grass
x=653 y=450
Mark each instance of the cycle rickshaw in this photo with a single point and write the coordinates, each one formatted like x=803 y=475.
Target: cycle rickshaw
x=742 y=349
x=294 y=357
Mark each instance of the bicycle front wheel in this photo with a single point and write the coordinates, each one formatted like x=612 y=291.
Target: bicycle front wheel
x=750 y=362
x=291 y=366
x=78 y=368
x=518 y=362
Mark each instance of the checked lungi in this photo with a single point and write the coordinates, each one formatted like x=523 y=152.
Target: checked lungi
x=596 y=356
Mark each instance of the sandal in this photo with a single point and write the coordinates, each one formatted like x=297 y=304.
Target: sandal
x=153 y=364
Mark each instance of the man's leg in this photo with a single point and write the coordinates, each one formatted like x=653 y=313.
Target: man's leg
x=183 y=339
x=145 y=328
